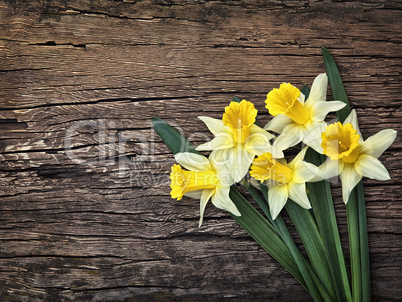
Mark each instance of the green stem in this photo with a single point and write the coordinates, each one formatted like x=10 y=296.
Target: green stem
x=354 y=245
x=323 y=207
x=261 y=202
x=300 y=261
x=264 y=234
x=364 y=247
x=314 y=284
x=307 y=228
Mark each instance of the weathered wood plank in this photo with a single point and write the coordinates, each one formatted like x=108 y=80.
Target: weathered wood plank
x=85 y=211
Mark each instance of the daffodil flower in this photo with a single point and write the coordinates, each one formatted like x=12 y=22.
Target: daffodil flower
x=237 y=139
x=205 y=180
x=284 y=180
x=350 y=156
x=297 y=120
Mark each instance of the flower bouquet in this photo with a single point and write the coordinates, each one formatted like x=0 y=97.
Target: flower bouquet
x=241 y=147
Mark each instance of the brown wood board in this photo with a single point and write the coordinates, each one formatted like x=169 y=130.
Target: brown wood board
x=90 y=218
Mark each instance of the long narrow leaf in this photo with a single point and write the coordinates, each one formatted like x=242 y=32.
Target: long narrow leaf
x=321 y=200
x=263 y=233
x=354 y=245
x=307 y=228
x=171 y=137
x=336 y=84
x=261 y=203
x=364 y=250
x=314 y=283
x=313 y=243
x=360 y=221
x=300 y=261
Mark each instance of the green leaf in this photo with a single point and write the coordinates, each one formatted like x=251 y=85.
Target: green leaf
x=321 y=201
x=354 y=245
x=236 y=99
x=364 y=247
x=307 y=228
x=356 y=216
x=261 y=202
x=171 y=137
x=264 y=234
x=299 y=259
x=313 y=282
x=336 y=84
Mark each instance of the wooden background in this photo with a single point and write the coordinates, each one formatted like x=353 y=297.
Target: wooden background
x=85 y=211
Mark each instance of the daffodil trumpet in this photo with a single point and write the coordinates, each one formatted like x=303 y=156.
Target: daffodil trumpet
x=351 y=157
x=284 y=180
x=297 y=120
x=204 y=180
x=237 y=138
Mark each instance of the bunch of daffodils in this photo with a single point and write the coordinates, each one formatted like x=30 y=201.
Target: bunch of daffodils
x=243 y=153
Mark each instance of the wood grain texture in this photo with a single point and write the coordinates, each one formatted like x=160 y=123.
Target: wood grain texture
x=85 y=211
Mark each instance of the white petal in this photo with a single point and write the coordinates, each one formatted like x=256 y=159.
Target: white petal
x=214 y=125
x=224 y=173
x=297 y=192
x=277 y=197
x=206 y=195
x=318 y=91
x=194 y=194
x=298 y=157
x=192 y=161
x=375 y=145
x=222 y=140
x=304 y=171
x=371 y=167
x=352 y=119
x=349 y=178
x=222 y=201
x=278 y=123
x=254 y=130
x=259 y=143
x=312 y=135
x=219 y=157
x=320 y=110
x=239 y=162
x=291 y=135
x=328 y=169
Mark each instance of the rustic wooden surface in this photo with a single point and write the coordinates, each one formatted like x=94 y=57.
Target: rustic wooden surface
x=91 y=219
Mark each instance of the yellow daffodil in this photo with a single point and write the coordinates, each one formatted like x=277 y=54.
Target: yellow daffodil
x=297 y=120
x=350 y=156
x=237 y=139
x=204 y=180
x=284 y=180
